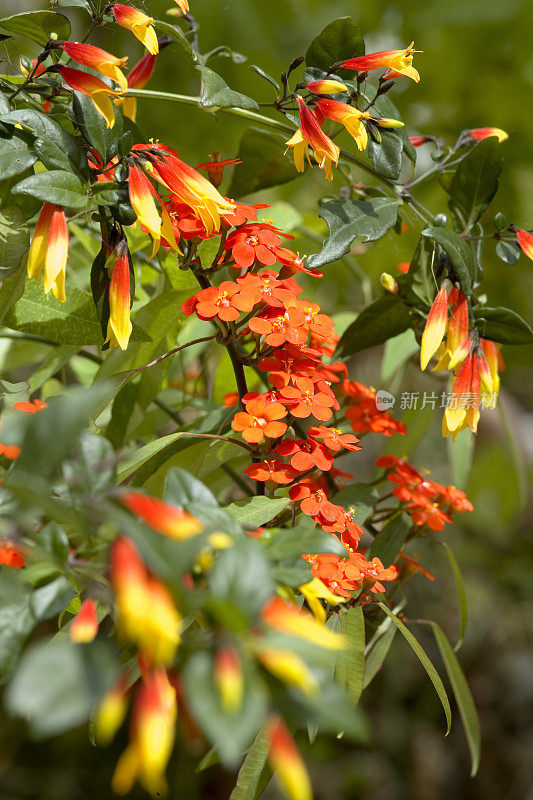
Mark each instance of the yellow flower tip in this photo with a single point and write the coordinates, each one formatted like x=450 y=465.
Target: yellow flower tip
x=435 y=327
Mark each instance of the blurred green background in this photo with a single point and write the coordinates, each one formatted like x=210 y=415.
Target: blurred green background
x=477 y=70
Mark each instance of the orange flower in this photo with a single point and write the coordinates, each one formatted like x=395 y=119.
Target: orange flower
x=280 y=328
x=435 y=326
x=326 y=152
x=225 y=302
x=97 y=59
x=119 y=326
x=84 y=626
x=418 y=141
x=139 y=24
x=273 y=470
x=350 y=117
x=482 y=133
x=30 y=407
x=260 y=420
x=525 y=241
x=93 y=87
x=397 y=62
x=49 y=249
x=286 y=762
x=10 y=555
x=303 y=400
x=215 y=168
x=169 y=520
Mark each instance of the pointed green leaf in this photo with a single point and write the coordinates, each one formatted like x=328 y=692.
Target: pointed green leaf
x=263 y=162
x=55 y=186
x=14 y=240
x=389 y=541
x=502 y=325
x=476 y=181
x=15 y=157
x=383 y=319
x=461 y=594
x=217 y=94
x=339 y=41
x=255 y=511
x=37 y=25
x=352 y=659
x=459 y=253
x=254 y=773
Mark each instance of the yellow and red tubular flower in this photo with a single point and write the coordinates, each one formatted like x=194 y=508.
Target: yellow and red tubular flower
x=99 y=92
x=483 y=133
x=485 y=378
x=292 y=621
x=227 y=672
x=141 y=194
x=182 y=10
x=111 y=711
x=463 y=408
x=84 y=626
x=386 y=122
x=100 y=60
x=287 y=763
x=350 y=117
x=141 y=25
x=49 y=249
x=137 y=79
x=525 y=242
x=171 y=521
x=326 y=86
x=456 y=332
x=193 y=190
x=215 y=168
x=326 y=152
x=152 y=736
x=461 y=352
x=397 y=62
x=435 y=326
x=288 y=667
x=418 y=141
x=119 y=326
x=493 y=358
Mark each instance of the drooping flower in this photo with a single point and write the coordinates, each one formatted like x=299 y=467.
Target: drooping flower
x=119 y=326
x=435 y=326
x=310 y=134
x=289 y=619
x=84 y=626
x=139 y=24
x=49 y=249
x=143 y=198
x=286 y=762
x=495 y=363
x=525 y=241
x=396 y=62
x=288 y=667
x=350 y=117
x=456 y=330
x=100 y=60
x=99 y=92
x=111 y=711
x=483 y=133
x=228 y=677
x=169 y=520
x=215 y=168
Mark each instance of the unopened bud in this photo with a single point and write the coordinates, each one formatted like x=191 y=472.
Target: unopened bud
x=53 y=36
x=388 y=283
x=389 y=123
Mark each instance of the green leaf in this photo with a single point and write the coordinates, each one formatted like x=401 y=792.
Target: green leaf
x=265 y=75
x=182 y=488
x=175 y=32
x=14 y=240
x=502 y=325
x=288 y=543
x=10 y=291
x=59 y=684
x=396 y=353
x=71 y=322
x=463 y=697
x=16 y=622
x=383 y=319
x=360 y=497
x=509 y=252
x=389 y=541
x=217 y=94
x=15 y=157
x=230 y=733
x=263 y=163
x=476 y=181
x=51 y=154
x=47 y=601
x=339 y=41
x=56 y=186
x=37 y=25
x=348 y=220
x=418 y=285
x=378 y=653
x=240 y=580
x=93 y=126
x=255 y=511
x=461 y=594
x=351 y=665
x=425 y=661
x=254 y=773
x=459 y=253
x=294 y=575
x=45 y=128
x=387 y=155
x=386 y=108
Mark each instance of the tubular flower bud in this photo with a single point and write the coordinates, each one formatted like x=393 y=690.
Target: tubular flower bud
x=229 y=679
x=483 y=133
x=493 y=358
x=93 y=87
x=147 y=615
x=418 y=141
x=288 y=667
x=84 y=626
x=49 y=249
x=485 y=378
x=152 y=736
x=171 y=521
x=326 y=86
x=183 y=6
x=435 y=326
x=119 y=326
x=215 y=168
x=385 y=122
x=525 y=242
x=461 y=352
x=326 y=152
x=141 y=194
x=137 y=79
x=456 y=332
x=192 y=189
x=388 y=283
x=350 y=117
x=290 y=620
x=287 y=763
x=139 y=24
x=111 y=712
x=397 y=62
x=463 y=408
x=100 y=60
